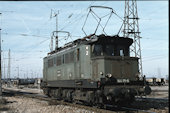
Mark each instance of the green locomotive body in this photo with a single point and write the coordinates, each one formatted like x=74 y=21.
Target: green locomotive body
x=97 y=70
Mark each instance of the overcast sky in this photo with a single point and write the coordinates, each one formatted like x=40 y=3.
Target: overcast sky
x=27 y=27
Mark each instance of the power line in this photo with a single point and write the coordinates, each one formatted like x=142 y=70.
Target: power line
x=26 y=35
x=154 y=39
x=146 y=57
x=156 y=58
x=77 y=18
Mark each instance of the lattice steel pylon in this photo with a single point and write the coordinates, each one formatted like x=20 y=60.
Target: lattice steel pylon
x=131 y=30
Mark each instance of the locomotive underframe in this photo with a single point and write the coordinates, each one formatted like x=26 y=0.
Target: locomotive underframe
x=93 y=92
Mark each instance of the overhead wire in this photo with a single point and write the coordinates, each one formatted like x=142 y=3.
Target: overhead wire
x=155 y=58
x=77 y=18
x=145 y=57
x=25 y=25
x=36 y=36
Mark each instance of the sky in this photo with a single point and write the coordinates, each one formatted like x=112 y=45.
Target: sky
x=27 y=28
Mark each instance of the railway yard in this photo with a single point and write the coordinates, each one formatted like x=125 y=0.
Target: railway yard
x=100 y=71
x=32 y=100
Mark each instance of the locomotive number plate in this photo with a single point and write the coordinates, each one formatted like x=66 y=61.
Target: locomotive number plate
x=122 y=80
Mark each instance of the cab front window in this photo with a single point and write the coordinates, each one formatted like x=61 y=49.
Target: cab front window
x=97 y=50
x=109 y=50
x=102 y=50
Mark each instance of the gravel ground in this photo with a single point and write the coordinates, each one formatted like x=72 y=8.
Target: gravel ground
x=159 y=92
x=19 y=104
x=27 y=105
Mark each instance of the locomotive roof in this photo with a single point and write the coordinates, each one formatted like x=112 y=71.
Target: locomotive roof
x=102 y=39
x=91 y=39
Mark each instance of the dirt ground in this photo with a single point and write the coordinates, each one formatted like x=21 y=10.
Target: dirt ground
x=159 y=92
x=27 y=105
x=20 y=104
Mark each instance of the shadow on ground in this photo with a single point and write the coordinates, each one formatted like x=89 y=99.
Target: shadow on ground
x=3 y=103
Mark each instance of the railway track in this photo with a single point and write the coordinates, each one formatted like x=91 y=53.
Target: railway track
x=107 y=108
x=159 y=90
x=153 y=99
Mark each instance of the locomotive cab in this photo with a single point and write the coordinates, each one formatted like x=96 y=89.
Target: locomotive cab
x=111 y=46
x=110 y=57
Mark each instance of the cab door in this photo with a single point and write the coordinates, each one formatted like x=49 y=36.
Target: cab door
x=77 y=64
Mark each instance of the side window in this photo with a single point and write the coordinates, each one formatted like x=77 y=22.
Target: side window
x=54 y=59
x=63 y=59
x=71 y=56
x=121 y=52
x=67 y=58
x=78 y=54
x=50 y=62
x=59 y=60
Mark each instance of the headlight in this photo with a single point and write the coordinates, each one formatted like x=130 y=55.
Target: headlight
x=109 y=75
x=101 y=73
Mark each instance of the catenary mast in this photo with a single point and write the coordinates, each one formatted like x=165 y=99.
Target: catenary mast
x=0 y=68
x=131 y=30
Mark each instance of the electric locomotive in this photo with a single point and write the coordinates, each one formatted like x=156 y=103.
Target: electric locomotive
x=96 y=70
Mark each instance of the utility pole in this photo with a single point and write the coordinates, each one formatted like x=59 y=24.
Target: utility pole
x=0 y=66
x=3 y=65
x=18 y=71
x=9 y=65
x=3 y=74
x=27 y=74
x=131 y=30
x=4 y=71
x=56 y=36
x=51 y=48
x=56 y=39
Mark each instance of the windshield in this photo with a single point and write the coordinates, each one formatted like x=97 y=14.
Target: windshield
x=102 y=50
x=109 y=51
x=97 y=50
